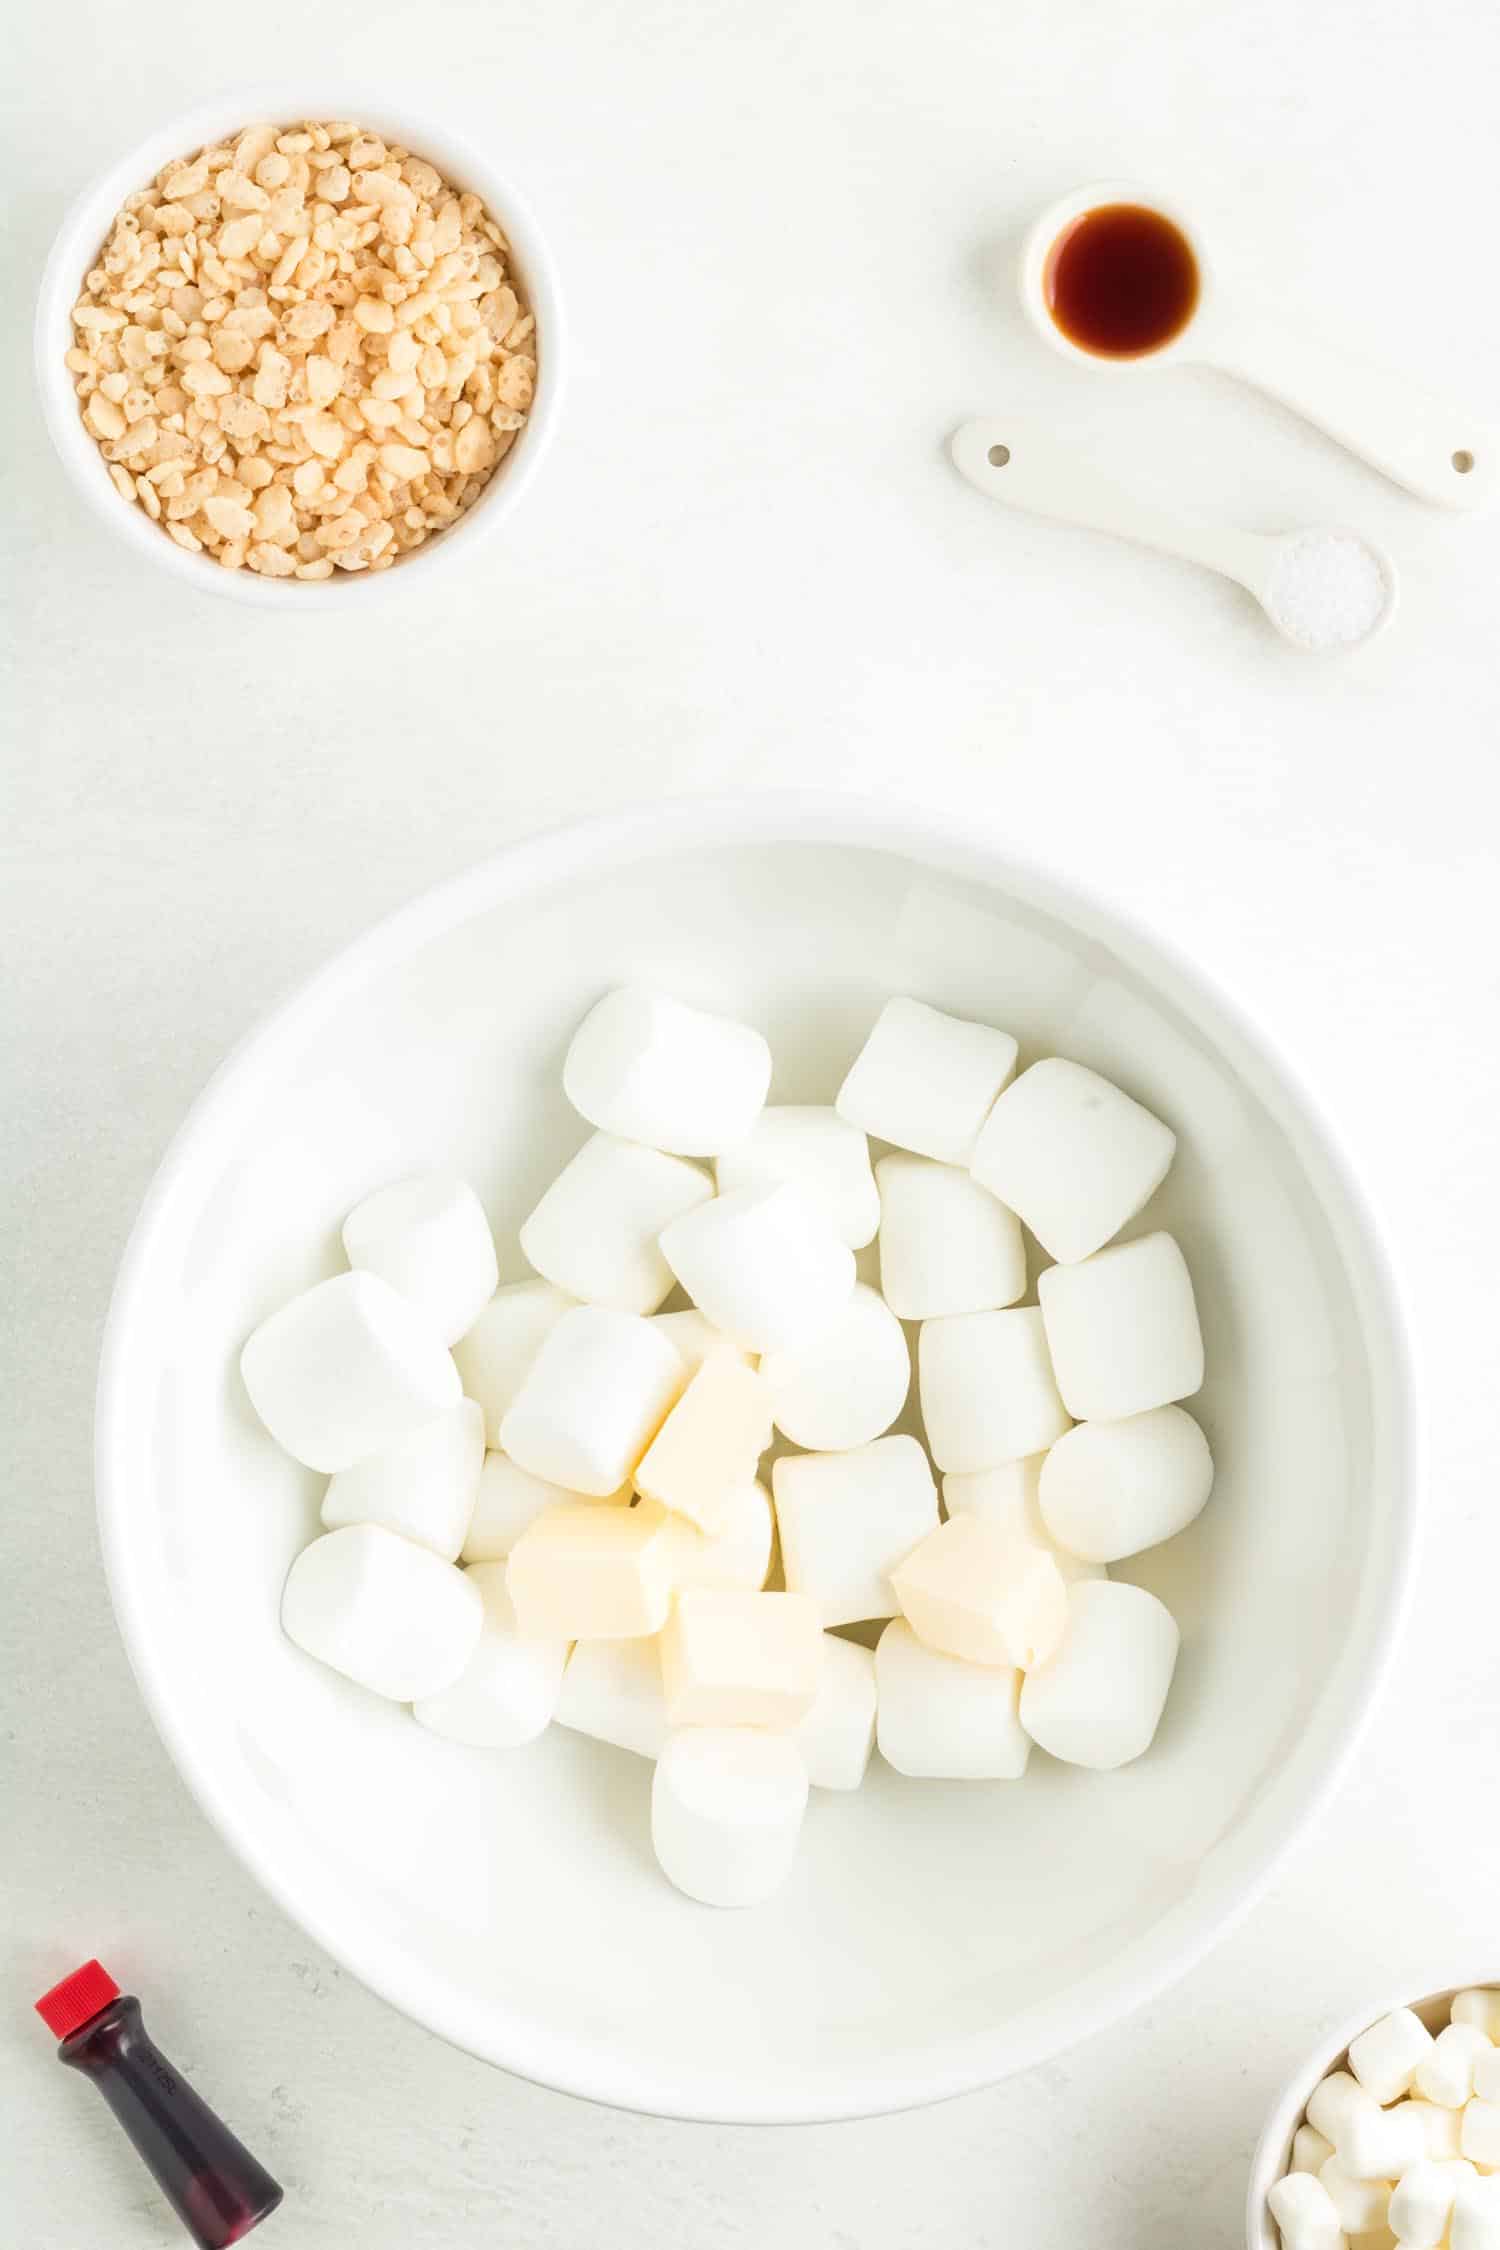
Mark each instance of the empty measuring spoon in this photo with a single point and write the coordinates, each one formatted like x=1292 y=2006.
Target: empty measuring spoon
x=1324 y=589
x=1416 y=440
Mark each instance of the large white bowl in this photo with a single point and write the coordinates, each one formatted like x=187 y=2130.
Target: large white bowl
x=934 y=1936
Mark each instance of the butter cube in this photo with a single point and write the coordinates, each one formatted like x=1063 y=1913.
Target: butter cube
x=584 y=1573
x=738 y=1556
x=846 y=1519
x=741 y=1660
x=988 y=1595
x=706 y=1450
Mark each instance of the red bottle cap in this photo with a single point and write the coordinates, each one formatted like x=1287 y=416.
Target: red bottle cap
x=78 y=1997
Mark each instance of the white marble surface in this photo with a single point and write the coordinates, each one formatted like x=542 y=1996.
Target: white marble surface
x=783 y=231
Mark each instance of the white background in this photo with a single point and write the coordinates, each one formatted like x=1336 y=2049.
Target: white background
x=783 y=230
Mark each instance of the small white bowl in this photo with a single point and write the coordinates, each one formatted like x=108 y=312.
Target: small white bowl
x=933 y=1936
x=1274 y=2150
x=76 y=251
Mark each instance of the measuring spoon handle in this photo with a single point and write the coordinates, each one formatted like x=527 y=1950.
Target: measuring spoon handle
x=1015 y=461
x=1442 y=455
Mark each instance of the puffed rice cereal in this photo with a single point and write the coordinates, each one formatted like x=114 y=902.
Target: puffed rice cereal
x=300 y=351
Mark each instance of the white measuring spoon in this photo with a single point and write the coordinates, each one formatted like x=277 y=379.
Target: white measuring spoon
x=1416 y=440
x=1323 y=589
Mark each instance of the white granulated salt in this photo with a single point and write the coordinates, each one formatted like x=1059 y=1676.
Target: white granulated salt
x=1328 y=589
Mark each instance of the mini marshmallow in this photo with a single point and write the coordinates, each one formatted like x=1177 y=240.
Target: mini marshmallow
x=1007 y=1498
x=1486 y=2067
x=1361 y=2204
x=838 y=1733
x=1440 y=2127
x=424 y=1488
x=706 y=1450
x=1384 y=2059
x=737 y=1557
x=1478 y=2006
x=946 y=1245
x=651 y=1069
x=1303 y=2209
x=926 y=1081
x=508 y=1690
x=429 y=1238
x=693 y=1338
x=939 y=1719
x=508 y=1502
x=595 y=1231
x=1333 y=2102
x=987 y=1387
x=493 y=1359
x=1075 y=1157
x=585 y=1573
x=980 y=1592
x=1098 y=1700
x=1122 y=1329
x=740 y=1660
x=592 y=1400
x=1475 y=2224
x=1422 y=2203
x=347 y=1369
x=613 y=1691
x=1110 y=1489
x=817 y=1152
x=726 y=1812
x=762 y=1264
x=1445 y=2074
x=1380 y=2144
x=1310 y=2152
x=847 y=1519
x=848 y=1387
x=390 y=1615
x=1479 y=2133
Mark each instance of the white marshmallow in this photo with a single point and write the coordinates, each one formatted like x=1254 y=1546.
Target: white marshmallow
x=1475 y=2224
x=740 y=1660
x=1384 y=2059
x=987 y=1388
x=693 y=1338
x=926 y=1081
x=763 y=1265
x=1007 y=1497
x=508 y=1690
x=347 y=1369
x=1123 y=1329
x=424 y=1488
x=1478 y=2006
x=1479 y=2134
x=649 y=1068
x=1110 y=1489
x=1446 y=2073
x=706 y=1450
x=726 y=1812
x=1441 y=2127
x=592 y=1400
x=1486 y=2067
x=1310 y=2152
x=1303 y=2209
x=1334 y=2100
x=429 y=1238
x=975 y=1590
x=838 y=1733
x=508 y=1502
x=585 y=1573
x=939 y=1719
x=739 y=1556
x=595 y=1231
x=1422 y=2203
x=1075 y=1157
x=1097 y=1701
x=847 y=1519
x=384 y=1612
x=946 y=1245
x=497 y=1352
x=613 y=1691
x=847 y=1388
x=817 y=1152
x=1361 y=2204
x=1379 y=2144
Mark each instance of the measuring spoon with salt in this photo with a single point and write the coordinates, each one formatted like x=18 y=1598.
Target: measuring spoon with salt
x=1322 y=588
x=1160 y=294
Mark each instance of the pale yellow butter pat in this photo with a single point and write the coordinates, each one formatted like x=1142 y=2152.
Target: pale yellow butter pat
x=975 y=1590
x=741 y=1660
x=586 y=1573
x=706 y=1450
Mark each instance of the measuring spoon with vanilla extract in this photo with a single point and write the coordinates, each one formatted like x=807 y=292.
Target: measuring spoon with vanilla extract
x=1119 y=278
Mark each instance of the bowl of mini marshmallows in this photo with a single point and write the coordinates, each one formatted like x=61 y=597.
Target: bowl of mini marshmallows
x=288 y=348
x=1391 y=2136
x=758 y=1459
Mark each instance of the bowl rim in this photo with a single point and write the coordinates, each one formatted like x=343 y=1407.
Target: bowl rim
x=83 y=227
x=572 y=850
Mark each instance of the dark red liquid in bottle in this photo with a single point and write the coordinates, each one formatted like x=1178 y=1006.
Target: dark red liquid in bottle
x=210 y=2178
x=1121 y=281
